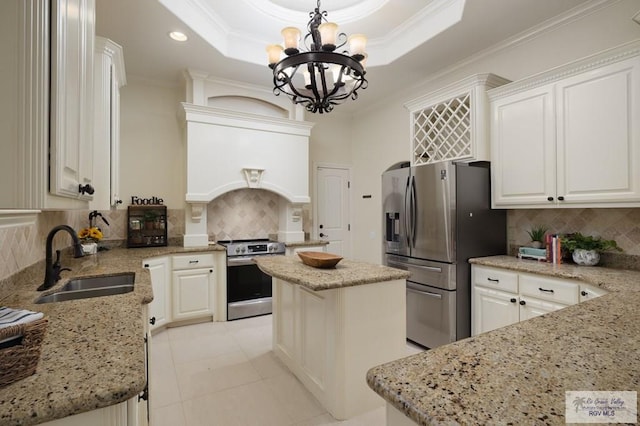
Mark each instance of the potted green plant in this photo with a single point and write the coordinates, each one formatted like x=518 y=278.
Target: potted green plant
x=536 y=234
x=149 y=219
x=585 y=249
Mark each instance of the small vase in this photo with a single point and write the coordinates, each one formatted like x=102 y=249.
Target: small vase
x=586 y=257
x=90 y=248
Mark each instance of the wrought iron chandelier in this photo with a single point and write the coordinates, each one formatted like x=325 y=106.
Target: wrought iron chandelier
x=318 y=77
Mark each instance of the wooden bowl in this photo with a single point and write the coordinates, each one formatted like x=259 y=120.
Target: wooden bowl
x=319 y=259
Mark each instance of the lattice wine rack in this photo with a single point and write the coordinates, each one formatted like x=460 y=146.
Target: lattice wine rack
x=452 y=123
x=443 y=132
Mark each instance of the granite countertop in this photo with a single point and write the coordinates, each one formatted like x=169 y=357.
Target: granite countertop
x=519 y=374
x=306 y=243
x=346 y=273
x=93 y=354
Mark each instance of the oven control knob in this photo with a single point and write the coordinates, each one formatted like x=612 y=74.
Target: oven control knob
x=237 y=249
x=243 y=249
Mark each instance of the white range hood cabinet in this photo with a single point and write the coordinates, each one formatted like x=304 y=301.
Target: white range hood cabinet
x=229 y=150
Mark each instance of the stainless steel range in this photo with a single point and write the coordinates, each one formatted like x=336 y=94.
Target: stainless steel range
x=248 y=288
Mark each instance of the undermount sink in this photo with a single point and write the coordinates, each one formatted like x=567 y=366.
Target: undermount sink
x=101 y=281
x=84 y=288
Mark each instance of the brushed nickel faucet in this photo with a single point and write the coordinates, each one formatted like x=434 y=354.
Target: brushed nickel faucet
x=53 y=269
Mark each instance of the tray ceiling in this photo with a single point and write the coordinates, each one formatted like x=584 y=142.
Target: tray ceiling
x=242 y=29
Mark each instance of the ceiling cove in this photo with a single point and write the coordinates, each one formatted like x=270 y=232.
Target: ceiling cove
x=243 y=28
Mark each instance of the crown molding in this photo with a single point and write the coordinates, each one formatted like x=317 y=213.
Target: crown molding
x=558 y=21
x=609 y=56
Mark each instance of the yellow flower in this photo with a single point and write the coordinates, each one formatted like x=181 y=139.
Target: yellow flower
x=90 y=234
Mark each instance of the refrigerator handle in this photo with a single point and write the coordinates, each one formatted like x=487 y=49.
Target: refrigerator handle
x=407 y=229
x=413 y=211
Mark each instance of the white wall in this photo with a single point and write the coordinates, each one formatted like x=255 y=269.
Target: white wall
x=381 y=132
x=330 y=143
x=152 y=151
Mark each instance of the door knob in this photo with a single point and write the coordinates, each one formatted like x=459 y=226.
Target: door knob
x=323 y=235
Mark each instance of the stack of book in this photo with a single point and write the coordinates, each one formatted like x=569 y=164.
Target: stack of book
x=554 y=248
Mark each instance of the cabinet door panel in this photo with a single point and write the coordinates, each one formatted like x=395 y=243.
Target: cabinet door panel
x=492 y=309
x=533 y=308
x=72 y=54
x=523 y=148
x=160 y=307
x=284 y=300
x=192 y=293
x=313 y=323
x=599 y=135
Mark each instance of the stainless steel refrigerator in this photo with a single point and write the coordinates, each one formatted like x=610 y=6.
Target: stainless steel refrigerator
x=436 y=217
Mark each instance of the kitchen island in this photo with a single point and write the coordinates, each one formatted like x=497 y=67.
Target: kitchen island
x=93 y=353
x=519 y=374
x=331 y=325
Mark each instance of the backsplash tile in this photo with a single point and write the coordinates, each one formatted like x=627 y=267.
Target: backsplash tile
x=621 y=225
x=243 y=214
x=23 y=246
x=250 y=213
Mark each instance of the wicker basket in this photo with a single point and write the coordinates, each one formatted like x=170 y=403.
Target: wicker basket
x=21 y=360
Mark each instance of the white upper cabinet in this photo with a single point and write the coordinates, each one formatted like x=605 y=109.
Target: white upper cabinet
x=451 y=123
x=71 y=132
x=569 y=137
x=109 y=77
x=47 y=149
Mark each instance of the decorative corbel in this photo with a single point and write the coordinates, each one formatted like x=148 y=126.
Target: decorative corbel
x=296 y=215
x=196 y=212
x=253 y=177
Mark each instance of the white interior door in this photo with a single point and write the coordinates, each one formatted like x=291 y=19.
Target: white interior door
x=332 y=221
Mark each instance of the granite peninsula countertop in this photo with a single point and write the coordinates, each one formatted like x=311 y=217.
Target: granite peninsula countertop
x=346 y=273
x=92 y=355
x=306 y=243
x=519 y=374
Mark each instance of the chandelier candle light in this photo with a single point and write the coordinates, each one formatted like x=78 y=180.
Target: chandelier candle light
x=319 y=77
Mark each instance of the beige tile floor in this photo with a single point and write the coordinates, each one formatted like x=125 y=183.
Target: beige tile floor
x=225 y=374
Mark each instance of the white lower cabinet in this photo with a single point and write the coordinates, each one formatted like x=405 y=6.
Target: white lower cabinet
x=160 y=308
x=123 y=414
x=588 y=292
x=193 y=286
x=500 y=297
x=187 y=287
x=493 y=309
x=330 y=338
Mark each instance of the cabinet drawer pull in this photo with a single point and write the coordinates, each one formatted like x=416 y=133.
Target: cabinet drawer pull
x=513 y=300
x=493 y=280
x=561 y=198
x=152 y=320
x=549 y=198
x=546 y=290
x=146 y=265
x=522 y=302
x=584 y=293
x=194 y=261
x=211 y=270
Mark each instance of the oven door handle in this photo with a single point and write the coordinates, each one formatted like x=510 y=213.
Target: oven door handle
x=424 y=293
x=242 y=261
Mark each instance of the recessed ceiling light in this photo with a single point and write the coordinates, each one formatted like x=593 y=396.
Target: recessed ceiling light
x=178 y=36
